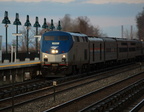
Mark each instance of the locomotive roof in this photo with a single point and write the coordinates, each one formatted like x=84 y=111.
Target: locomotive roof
x=62 y=32
x=127 y=40
x=77 y=34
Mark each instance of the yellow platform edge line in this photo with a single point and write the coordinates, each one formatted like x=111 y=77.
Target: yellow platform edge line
x=20 y=64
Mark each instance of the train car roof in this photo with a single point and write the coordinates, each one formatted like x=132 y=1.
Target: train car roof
x=125 y=39
x=95 y=39
x=108 y=38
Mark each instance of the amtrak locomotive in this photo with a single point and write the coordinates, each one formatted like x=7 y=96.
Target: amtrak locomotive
x=66 y=52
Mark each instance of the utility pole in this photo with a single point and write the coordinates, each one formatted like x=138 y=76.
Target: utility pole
x=131 y=32
x=122 y=31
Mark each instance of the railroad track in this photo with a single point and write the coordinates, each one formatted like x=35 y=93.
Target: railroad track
x=136 y=106
x=20 y=88
x=111 y=98
x=37 y=97
x=139 y=107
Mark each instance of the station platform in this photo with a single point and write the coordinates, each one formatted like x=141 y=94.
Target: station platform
x=19 y=71
x=20 y=64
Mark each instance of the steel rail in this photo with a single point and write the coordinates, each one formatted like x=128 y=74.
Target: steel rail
x=138 y=106
x=49 y=95
x=56 y=108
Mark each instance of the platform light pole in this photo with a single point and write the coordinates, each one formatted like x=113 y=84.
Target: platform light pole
x=17 y=22
x=45 y=26
x=52 y=25
x=27 y=24
x=6 y=21
x=14 y=48
x=59 y=26
x=36 y=25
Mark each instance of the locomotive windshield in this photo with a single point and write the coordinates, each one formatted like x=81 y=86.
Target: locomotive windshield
x=49 y=38
x=63 y=38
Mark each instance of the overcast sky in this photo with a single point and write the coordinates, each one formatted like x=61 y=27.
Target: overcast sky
x=109 y=15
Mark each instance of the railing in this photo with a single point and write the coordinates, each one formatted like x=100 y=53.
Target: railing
x=21 y=56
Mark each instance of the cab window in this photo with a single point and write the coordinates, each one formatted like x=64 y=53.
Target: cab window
x=49 y=38
x=63 y=38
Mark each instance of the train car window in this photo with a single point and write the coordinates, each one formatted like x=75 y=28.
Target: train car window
x=123 y=43
x=85 y=54
x=131 y=49
x=83 y=39
x=123 y=49
x=76 y=38
x=86 y=39
x=49 y=38
x=133 y=43
x=62 y=37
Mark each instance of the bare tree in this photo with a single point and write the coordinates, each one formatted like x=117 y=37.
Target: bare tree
x=130 y=34
x=140 y=25
x=67 y=23
x=23 y=40
x=80 y=24
x=127 y=34
x=83 y=24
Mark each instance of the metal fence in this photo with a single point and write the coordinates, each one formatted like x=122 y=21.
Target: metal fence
x=21 y=56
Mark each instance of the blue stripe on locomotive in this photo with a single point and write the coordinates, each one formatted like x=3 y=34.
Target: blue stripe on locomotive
x=63 y=46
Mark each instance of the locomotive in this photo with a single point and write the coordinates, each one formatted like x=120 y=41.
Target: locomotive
x=65 y=53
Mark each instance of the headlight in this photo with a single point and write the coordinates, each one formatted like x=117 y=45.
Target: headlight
x=63 y=56
x=54 y=51
x=45 y=56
